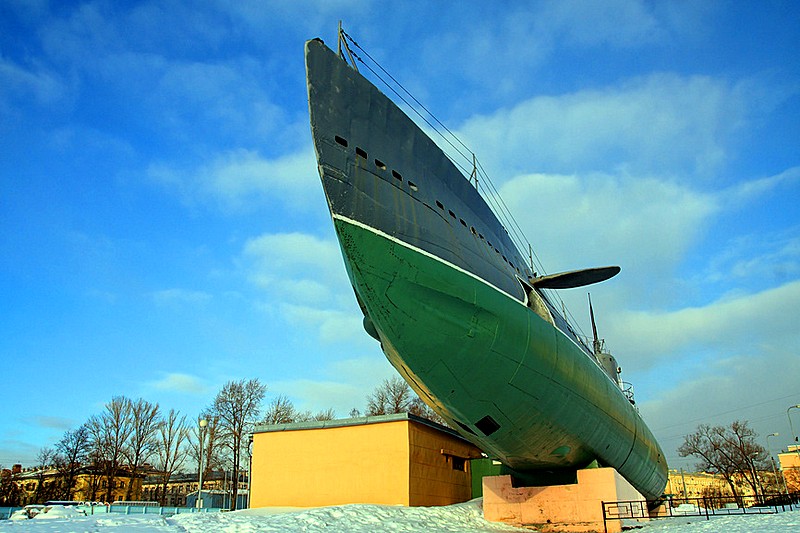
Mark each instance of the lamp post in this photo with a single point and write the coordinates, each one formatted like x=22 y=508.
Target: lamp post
x=772 y=460
x=752 y=460
x=249 y=467
x=202 y=423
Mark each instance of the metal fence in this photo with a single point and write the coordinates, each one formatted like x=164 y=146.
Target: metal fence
x=703 y=507
x=169 y=511
x=5 y=512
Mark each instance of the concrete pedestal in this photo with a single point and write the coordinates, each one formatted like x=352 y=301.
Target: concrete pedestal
x=576 y=507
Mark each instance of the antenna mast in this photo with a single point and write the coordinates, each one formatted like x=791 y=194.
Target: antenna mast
x=341 y=40
x=596 y=344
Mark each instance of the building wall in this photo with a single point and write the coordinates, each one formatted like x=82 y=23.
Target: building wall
x=82 y=489
x=392 y=459
x=181 y=484
x=698 y=484
x=439 y=467
x=331 y=466
x=790 y=467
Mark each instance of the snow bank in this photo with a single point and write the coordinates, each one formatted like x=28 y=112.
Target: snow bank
x=461 y=518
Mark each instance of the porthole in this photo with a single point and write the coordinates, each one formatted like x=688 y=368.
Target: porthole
x=380 y=164
x=451 y=213
x=341 y=140
x=472 y=229
x=361 y=153
x=462 y=222
x=439 y=204
x=397 y=175
x=413 y=186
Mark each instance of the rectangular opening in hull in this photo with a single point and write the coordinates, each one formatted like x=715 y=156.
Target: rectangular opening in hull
x=487 y=425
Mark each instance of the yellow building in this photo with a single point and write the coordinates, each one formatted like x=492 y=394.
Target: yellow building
x=790 y=467
x=88 y=486
x=398 y=459
x=696 y=485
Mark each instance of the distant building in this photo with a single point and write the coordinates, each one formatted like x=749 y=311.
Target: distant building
x=790 y=467
x=398 y=459
x=218 y=499
x=39 y=484
x=696 y=485
x=181 y=485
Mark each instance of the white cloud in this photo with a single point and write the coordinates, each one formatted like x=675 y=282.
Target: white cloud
x=297 y=263
x=171 y=296
x=662 y=123
x=182 y=383
x=345 y=385
x=504 y=53
x=54 y=422
x=304 y=277
x=772 y=258
x=287 y=251
x=574 y=221
x=732 y=326
x=224 y=99
x=32 y=81
x=617 y=22
x=752 y=190
x=333 y=325
x=239 y=179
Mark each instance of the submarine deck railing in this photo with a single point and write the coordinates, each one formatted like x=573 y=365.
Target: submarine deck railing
x=700 y=507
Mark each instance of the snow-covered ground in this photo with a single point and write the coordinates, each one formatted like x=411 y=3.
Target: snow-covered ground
x=461 y=518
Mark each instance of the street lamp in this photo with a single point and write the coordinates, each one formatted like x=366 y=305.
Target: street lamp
x=772 y=460
x=752 y=460
x=249 y=467
x=202 y=423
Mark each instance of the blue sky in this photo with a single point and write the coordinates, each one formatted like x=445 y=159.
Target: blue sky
x=163 y=230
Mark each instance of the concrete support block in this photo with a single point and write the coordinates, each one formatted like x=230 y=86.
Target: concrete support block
x=574 y=508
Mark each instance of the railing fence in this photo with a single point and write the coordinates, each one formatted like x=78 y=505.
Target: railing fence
x=703 y=507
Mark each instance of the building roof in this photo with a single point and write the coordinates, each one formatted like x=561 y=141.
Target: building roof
x=357 y=421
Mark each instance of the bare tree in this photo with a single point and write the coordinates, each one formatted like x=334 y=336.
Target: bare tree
x=44 y=489
x=280 y=411
x=172 y=434
x=73 y=450
x=142 y=443
x=327 y=414
x=422 y=409
x=10 y=491
x=309 y=416
x=94 y=472
x=394 y=395
x=751 y=456
x=237 y=405
x=731 y=452
x=110 y=432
